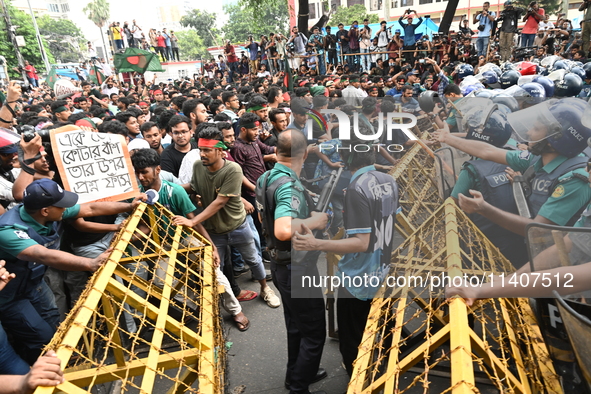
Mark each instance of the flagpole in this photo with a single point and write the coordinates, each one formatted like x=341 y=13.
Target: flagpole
x=39 y=41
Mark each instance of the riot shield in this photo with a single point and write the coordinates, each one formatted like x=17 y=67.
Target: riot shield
x=448 y=164
x=552 y=247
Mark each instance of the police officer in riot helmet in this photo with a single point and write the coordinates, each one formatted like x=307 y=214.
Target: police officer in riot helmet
x=489 y=178
x=556 y=185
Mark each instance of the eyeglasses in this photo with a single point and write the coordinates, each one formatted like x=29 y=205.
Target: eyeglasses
x=181 y=132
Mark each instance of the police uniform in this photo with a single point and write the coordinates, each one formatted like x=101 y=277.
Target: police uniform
x=304 y=313
x=559 y=190
x=491 y=180
x=27 y=306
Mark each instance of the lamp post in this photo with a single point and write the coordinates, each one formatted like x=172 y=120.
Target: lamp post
x=39 y=42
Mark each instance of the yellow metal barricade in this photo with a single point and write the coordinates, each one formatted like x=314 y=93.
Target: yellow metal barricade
x=414 y=336
x=418 y=190
x=149 y=318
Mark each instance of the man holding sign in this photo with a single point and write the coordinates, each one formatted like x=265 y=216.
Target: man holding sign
x=30 y=244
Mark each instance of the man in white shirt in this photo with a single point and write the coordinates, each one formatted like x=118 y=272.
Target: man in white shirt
x=136 y=31
x=352 y=93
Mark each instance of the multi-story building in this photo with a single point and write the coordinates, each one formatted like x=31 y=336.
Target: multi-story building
x=170 y=14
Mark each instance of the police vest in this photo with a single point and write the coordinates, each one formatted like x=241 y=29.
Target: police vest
x=496 y=189
x=542 y=184
x=280 y=250
x=29 y=274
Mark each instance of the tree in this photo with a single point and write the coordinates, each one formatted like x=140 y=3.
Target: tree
x=191 y=46
x=64 y=37
x=204 y=24
x=243 y=21
x=551 y=7
x=347 y=15
x=29 y=52
x=98 y=12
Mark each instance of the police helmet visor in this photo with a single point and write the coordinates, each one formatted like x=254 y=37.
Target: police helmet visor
x=474 y=119
x=534 y=124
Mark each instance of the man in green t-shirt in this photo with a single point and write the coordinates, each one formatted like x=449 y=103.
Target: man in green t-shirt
x=146 y=163
x=218 y=182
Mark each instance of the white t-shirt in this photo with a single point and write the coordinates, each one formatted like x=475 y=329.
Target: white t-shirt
x=186 y=170
x=545 y=26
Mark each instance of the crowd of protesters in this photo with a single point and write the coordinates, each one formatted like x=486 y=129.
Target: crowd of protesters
x=233 y=117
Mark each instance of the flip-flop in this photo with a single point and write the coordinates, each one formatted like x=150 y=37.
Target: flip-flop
x=241 y=325
x=249 y=295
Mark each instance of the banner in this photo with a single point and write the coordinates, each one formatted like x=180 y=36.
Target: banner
x=96 y=166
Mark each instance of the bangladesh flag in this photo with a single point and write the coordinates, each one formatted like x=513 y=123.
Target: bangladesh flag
x=137 y=60
x=96 y=75
x=52 y=77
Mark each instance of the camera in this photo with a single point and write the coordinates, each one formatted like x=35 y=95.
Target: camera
x=29 y=133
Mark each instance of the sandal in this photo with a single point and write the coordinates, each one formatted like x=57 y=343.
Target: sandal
x=248 y=295
x=242 y=323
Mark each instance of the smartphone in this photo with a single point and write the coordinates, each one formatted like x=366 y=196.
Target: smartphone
x=421 y=60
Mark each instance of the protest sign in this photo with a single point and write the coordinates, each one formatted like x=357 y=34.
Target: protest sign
x=96 y=166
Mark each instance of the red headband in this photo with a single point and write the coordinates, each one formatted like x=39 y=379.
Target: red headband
x=207 y=143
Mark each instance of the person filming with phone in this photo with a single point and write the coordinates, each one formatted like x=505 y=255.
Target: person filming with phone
x=485 y=21
x=532 y=20
x=409 y=33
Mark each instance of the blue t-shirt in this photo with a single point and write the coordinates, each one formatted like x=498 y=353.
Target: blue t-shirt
x=253 y=48
x=483 y=20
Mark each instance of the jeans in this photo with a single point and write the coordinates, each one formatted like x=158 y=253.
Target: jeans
x=321 y=64
x=365 y=60
x=527 y=40
x=332 y=57
x=31 y=319
x=34 y=83
x=10 y=362
x=242 y=239
x=119 y=44
x=175 y=54
x=482 y=46
x=167 y=51
x=344 y=51
x=233 y=70
x=353 y=61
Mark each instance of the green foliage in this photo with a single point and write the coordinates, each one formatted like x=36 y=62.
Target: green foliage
x=243 y=20
x=191 y=46
x=98 y=12
x=204 y=24
x=551 y=7
x=347 y=15
x=29 y=52
x=64 y=37
x=258 y=7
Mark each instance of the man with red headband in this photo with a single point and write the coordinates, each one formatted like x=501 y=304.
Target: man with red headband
x=218 y=182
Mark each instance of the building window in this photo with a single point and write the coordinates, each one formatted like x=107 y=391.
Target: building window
x=65 y=7
x=436 y=20
x=182 y=73
x=458 y=18
x=572 y=6
x=406 y=3
x=53 y=8
x=425 y=1
x=312 y=10
x=375 y=5
x=351 y=3
x=394 y=4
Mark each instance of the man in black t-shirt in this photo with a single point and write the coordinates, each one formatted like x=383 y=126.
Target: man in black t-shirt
x=172 y=156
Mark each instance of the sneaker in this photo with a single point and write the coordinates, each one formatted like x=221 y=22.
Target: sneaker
x=238 y=273
x=270 y=298
x=268 y=277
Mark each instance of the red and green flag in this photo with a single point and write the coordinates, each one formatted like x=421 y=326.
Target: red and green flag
x=52 y=77
x=96 y=75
